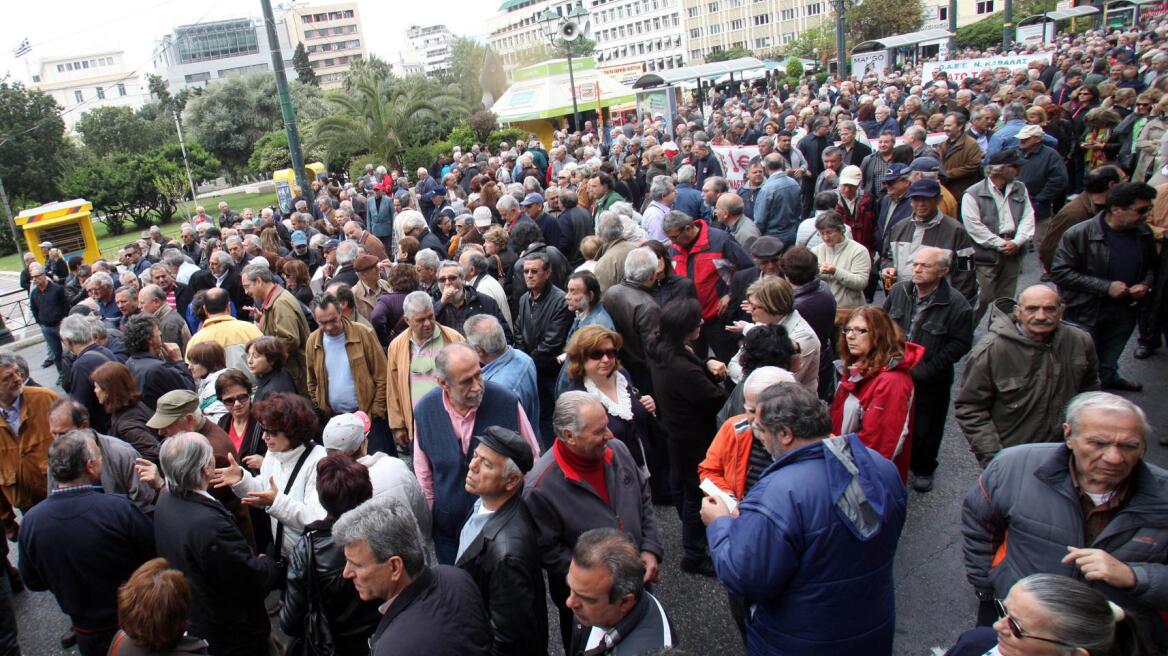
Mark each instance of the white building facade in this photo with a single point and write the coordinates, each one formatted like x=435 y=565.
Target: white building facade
x=84 y=82
x=430 y=49
x=194 y=55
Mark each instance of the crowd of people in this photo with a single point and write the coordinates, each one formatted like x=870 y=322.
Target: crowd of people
x=419 y=406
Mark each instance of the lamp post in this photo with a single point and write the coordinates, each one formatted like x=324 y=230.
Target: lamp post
x=568 y=29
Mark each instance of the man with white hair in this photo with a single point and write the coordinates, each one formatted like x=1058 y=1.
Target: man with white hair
x=635 y=314
x=354 y=232
x=662 y=195
x=424 y=189
x=415 y=226
x=503 y=364
x=411 y=369
x=174 y=329
x=346 y=256
x=280 y=316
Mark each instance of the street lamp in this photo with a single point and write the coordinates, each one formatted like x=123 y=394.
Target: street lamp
x=566 y=28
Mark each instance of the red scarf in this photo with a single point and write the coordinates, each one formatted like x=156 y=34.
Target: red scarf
x=579 y=469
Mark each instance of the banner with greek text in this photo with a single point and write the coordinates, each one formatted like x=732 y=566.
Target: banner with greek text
x=959 y=69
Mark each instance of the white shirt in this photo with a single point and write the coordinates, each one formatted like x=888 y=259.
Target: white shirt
x=982 y=236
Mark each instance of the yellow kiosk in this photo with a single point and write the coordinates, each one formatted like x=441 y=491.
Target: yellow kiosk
x=68 y=224
x=285 y=180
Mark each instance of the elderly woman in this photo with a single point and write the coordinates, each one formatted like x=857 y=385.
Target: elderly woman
x=207 y=360
x=771 y=301
x=1051 y=614
x=265 y=359
x=316 y=567
x=594 y=367
x=154 y=605
x=407 y=248
x=875 y=393
x=286 y=484
x=298 y=280
x=844 y=263
x=118 y=394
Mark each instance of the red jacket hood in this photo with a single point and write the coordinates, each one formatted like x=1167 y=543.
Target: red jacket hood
x=913 y=353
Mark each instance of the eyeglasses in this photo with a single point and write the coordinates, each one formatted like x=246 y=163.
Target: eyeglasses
x=855 y=331
x=600 y=354
x=532 y=272
x=1141 y=210
x=1017 y=631
x=446 y=279
x=232 y=400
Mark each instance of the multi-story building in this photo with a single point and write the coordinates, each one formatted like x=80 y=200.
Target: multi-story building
x=84 y=82
x=648 y=32
x=332 y=35
x=194 y=55
x=715 y=25
x=430 y=48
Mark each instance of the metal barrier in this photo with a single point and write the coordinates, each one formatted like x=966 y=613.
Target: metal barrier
x=17 y=316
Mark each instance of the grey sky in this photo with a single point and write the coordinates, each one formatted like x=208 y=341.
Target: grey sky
x=76 y=27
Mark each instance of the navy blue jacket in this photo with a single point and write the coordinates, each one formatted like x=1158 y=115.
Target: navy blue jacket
x=825 y=583
x=82 y=544
x=689 y=200
x=50 y=306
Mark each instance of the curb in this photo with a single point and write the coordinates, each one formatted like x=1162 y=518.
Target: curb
x=21 y=344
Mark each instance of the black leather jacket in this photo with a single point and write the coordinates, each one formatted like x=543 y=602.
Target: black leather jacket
x=505 y=564
x=352 y=621
x=1080 y=268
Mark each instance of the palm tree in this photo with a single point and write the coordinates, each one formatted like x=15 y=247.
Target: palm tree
x=375 y=115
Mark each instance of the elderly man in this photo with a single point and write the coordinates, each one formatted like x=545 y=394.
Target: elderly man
x=24 y=441
x=228 y=218
x=415 y=226
x=928 y=227
x=365 y=239
x=999 y=219
x=662 y=195
x=828 y=179
x=930 y=313
x=82 y=544
x=587 y=480
x=712 y=190
x=280 y=316
x=802 y=577
x=1042 y=171
x=709 y=258
x=475 y=266
x=1105 y=269
x=426 y=261
x=49 y=306
x=135 y=260
x=541 y=330
x=609 y=602
x=447 y=423
x=497 y=545
x=1020 y=376
x=195 y=536
x=459 y=301
x=687 y=198
x=1095 y=499
x=503 y=365
x=119 y=472
x=731 y=214
x=410 y=368
x=222 y=328
x=154 y=375
x=533 y=206
x=178 y=295
x=100 y=288
x=347 y=369
x=427 y=610
x=894 y=205
x=173 y=328
x=609 y=268
x=777 y=208
x=346 y=256
x=575 y=224
x=77 y=336
x=127 y=300
x=960 y=155
x=370 y=285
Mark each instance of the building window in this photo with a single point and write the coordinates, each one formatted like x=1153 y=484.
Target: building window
x=121 y=89
x=695 y=54
x=716 y=28
x=942 y=13
x=815 y=9
x=692 y=12
x=985 y=6
x=695 y=32
x=736 y=24
x=78 y=96
x=676 y=18
x=763 y=42
x=60 y=68
x=100 y=93
x=713 y=7
x=788 y=14
x=762 y=19
x=788 y=37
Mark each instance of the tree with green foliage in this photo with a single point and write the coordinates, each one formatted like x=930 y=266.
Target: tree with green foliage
x=120 y=129
x=373 y=66
x=231 y=115
x=874 y=19
x=819 y=39
x=726 y=55
x=987 y=31
x=303 y=67
x=482 y=123
x=383 y=117
x=271 y=153
x=33 y=147
x=541 y=52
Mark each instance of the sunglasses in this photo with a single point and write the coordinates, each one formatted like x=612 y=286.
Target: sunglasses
x=1017 y=631
x=446 y=279
x=600 y=354
x=232 y=400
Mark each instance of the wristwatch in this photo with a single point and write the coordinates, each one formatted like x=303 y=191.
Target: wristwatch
x=984 y=595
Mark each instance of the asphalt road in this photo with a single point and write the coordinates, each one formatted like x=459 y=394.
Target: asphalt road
x=934 y=601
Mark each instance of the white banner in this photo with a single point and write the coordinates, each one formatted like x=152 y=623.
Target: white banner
x=1032 y=34
x=869 y=63
x=959 y=69
x=735 y=161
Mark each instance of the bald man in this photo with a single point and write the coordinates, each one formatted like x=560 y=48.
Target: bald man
x=730 y=212
x=1022 y=374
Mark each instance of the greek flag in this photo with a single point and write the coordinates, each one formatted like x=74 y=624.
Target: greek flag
x=21 y=50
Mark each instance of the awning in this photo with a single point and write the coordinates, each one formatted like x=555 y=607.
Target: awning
x=701 y=71
x=545 y=91
x=1066 y=14
x=902 y=40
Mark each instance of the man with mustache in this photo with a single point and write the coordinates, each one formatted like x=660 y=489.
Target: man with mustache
x=1019 y=378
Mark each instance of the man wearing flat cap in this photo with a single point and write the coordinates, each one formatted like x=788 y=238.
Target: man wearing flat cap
x=370 y=286
x=497 y=545
x=1000 y=220
x=927 y=226
x=764 y=252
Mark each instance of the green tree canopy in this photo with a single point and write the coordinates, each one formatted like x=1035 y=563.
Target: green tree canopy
x=874 y=19
x=374 y=66
x=304 y=71
x=805 y=44
x=33 y=148
x=120 y=129
x=231 y=115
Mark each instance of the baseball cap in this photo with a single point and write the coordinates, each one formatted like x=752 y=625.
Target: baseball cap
x=895 y=172
x=509 y=444
x=330 y=245
x=851 y=175
x=365 y=262
x=482 y=219
x=171 y=407
x=925 y=165
x=299 y=238
x=1010 y=156
x=532 y=199
x=1030 y=131
x=344 y=432
x=924 y=189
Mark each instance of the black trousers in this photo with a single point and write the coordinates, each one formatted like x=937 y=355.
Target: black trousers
x=932 y=407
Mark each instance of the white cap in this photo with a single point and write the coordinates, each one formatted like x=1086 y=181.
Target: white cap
x=344 y=433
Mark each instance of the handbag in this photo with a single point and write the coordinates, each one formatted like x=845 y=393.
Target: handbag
x=274 y=549
x=318 y=635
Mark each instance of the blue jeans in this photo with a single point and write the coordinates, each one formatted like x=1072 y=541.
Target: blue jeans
x=53 y=343
x=1111 y=332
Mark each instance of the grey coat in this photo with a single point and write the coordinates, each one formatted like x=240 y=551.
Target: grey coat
x=1024 y=512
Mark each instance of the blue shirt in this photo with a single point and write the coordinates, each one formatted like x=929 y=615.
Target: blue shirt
x=12 y=415
x=342 y=391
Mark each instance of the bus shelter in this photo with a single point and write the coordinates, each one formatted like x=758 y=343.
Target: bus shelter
x=904 y=47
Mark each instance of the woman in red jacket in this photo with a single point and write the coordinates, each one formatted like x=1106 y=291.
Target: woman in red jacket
x=875 y=394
